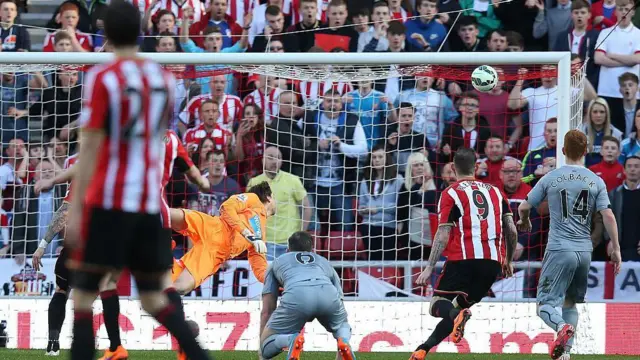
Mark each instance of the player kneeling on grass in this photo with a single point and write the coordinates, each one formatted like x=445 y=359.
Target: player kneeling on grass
x=474 y=218
x=312 y=290
x=241 y=226
x=574 y=194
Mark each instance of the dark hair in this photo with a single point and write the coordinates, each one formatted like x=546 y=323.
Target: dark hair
x=406 y=105
x=419 y=3
x=380 y=3
x=272 y=10
x=363 y=11
x=300 y=241
x=213 y=152
x=464 y=161
x=466 y=21
x=469 y=95
x=389 y=173
x=612 y=139
x=211 y=30
x=122 y=24
x=335 y=3
x=256 y=133
x=331 y=92
x=633 y=157
x=628 y=77
x=580 y=4
x=209 y=101
x=396 y=28
x=500 y=32
x=514 y=38
x=263 y=190
x=60 y=35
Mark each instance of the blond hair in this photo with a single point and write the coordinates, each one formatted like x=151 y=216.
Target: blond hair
x=589 y=131
x=417 y=157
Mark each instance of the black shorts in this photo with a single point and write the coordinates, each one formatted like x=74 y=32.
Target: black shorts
x=115 y=239
x=63 y=275
x=472 y=279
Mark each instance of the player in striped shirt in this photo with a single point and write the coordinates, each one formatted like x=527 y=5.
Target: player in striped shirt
x=114 y=218
x=479 y=236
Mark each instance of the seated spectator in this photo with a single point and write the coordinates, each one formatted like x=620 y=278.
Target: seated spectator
x=260 y=23
x=609 y=169
x=425 y=33
x=552 y=21
x=274 y=31
x=493 y=107
x=284 y=133
x=198 y=153
x=293 y=209
x=84 y=22
x=380 y=17
x=604 y=14
x=515 y=42
x=511 y=183
x=60 y=104
x=14 y=94
x=334 y=33
x=12 y=37
x=304 y=30
x=484 y=12
x=209 y=128
x=596 y=126
x=616 y=55
x=579 y=39
x=488 y=168
x=337 y=141
x=229 y=111
x=631 y=145
x=377 y=204
x=68 y=20
x=222 y=186
x=417 y=199
x=468 y=40
x=371 y=106
x=249 y=143
x=33 y=212
x=624 y=203
x=628 y=83
x=401 y=140
x=539 y=162
x=398 y=11
x=433 y=109
x=497 y=41
x=470 y=130
x=217 y=16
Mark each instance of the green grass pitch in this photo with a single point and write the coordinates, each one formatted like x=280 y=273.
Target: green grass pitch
x=242 y=355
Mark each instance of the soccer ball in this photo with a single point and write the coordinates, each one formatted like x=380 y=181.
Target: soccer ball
x=484 y=78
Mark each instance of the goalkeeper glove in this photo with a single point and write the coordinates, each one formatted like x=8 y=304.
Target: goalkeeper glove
x=258 y=244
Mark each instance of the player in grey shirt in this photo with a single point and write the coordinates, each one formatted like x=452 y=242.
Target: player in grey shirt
x=312 y=290
x=574 y=194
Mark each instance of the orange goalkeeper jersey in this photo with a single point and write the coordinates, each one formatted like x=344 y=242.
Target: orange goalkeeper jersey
x=218 y=239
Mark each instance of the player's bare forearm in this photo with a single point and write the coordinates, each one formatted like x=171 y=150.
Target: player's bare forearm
x=64 y=176
x=178 y=222
x=610 y=224
x=510 y=235
x=58 y=222
x=194 y=175
x=524 y=210
x=307 y=213
x=86 y=166
x=439 y=244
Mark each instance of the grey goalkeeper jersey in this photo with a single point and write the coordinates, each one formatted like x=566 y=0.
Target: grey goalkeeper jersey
x=300 y=269
x=574 y=193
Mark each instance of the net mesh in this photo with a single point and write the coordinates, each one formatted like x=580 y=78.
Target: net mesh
x=356 y=155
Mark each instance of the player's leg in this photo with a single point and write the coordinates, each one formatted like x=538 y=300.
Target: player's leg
x=333 y=316
x=149 y=257
x=58 y=304
x=576 y=294
x=110 y=315
x=284 y=326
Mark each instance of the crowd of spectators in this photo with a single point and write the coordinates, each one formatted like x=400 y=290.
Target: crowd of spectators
x=367 y=158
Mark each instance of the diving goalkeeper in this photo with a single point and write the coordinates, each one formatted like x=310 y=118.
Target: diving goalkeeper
x=241 y=226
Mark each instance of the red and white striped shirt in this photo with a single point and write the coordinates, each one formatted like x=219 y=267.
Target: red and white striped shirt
x=269 y=105
x=142 y=5
x=230 y=108
x=68 y=164
x=313 y=91
x=85 y=40
x=237 y=9
x=174 y=155
x=402 y=15
x=176 y=9
x=219 y=136
x=475 y=210
x=292 y=7
x=131 y=101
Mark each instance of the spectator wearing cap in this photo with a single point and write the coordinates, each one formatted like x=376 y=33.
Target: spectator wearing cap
x=334 y=33
x=304 y=30
x=579 y=39
x=380 y=16
x=596 y=126
x=467 y=39
x=617 y=53
x=522 y=23
x=483 y=11
x=624 y=202
x=609 y=169
x=217 y=15
x=12 y=36
x=425 y=32
x=552 y=21
x=274 y=30
x=631 y=145
x=539 y=162
x=68 y=19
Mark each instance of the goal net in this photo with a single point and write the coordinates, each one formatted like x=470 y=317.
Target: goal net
x=357 y=150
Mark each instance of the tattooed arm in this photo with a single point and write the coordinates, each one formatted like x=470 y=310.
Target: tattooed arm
x=57 y=224
x=440 y=243
x=510 y=235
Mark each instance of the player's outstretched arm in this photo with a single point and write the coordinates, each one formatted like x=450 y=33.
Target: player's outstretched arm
x=524 y=210
x=178 y=221
x=194 y=175
x=610 y=224
x=46 y=184
x=57 y=224
x=437 y=248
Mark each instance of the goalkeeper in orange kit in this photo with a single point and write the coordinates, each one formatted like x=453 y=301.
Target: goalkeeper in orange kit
x=241 y=226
